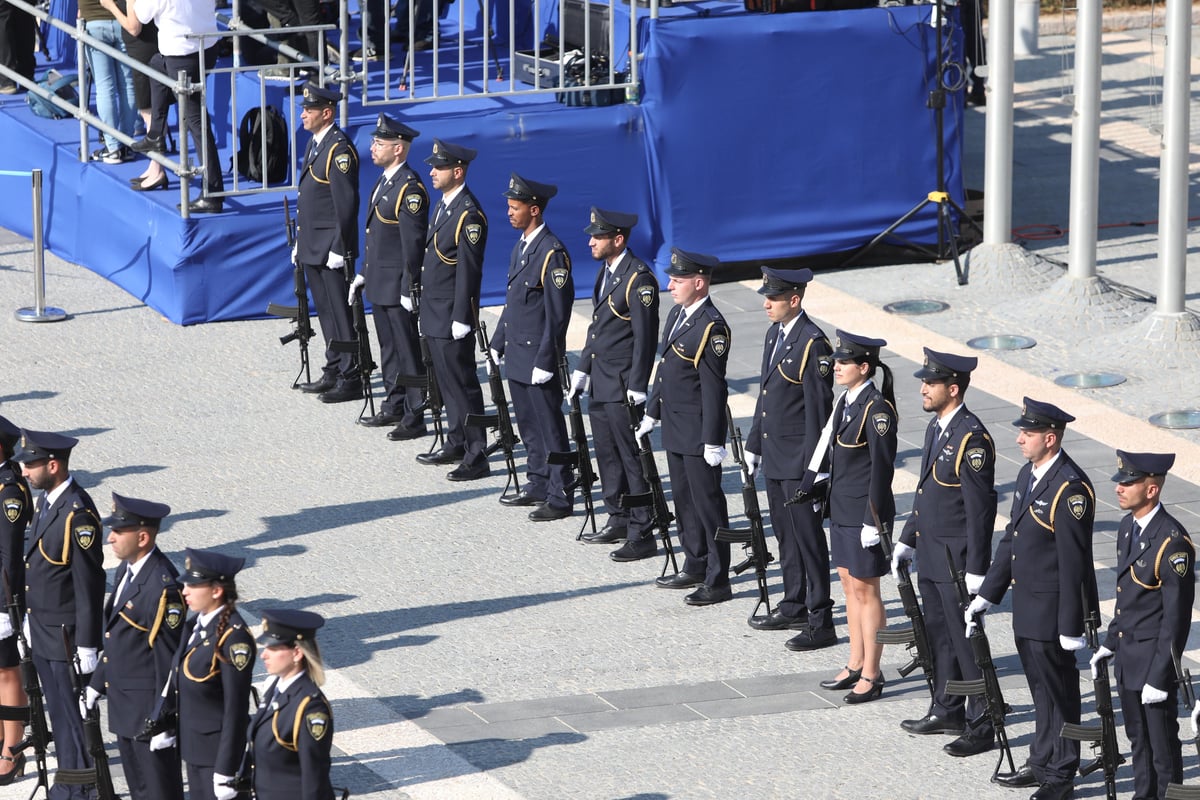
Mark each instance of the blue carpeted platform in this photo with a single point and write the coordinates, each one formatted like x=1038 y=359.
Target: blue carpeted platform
x=758 y=137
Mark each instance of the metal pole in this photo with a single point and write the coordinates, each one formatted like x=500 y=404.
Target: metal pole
x=344 y=59
x=181 y=99
x=39 y=313
x=998 y=145
x=1085 y=143
x=84 y=92
x=1173 y=169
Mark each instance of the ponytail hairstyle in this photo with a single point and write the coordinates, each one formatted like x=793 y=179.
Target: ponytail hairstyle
x=889 y=388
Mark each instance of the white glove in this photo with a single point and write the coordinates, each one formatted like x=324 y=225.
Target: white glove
x=88 y=658
x=406 y=302
x=974 y=582
x=335 y=261
x=6 y=628
x=714 y=454
x=488 y=365
x=979 y=605
x=868 y=536
x=540 y=376
x=161 y=741
x=25 y=629
x=579 y=384
x=1101 y=654
x=637 y=398
x=753 y=460
x=901 y=554
x=295 y=248
x=355 y=285
x=87 y=701
x=1071 y=643
x=221 y=788
x=644 y=427
x=1196 y=718
x=459 y=330
x=1151 y=695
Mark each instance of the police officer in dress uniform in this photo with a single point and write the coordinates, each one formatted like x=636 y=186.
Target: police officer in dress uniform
x=614 y=367
x=955 y=508
x=1156 y=584
x=213 y=673
x=689 y=396
x=794 y=400
x=64 y=585
x=326 y=235
x=291 y=736
x=1046 y=556
x=451 y=276
x=397 y=223
x=17 y=507
x=531 y=337
x=143 y=620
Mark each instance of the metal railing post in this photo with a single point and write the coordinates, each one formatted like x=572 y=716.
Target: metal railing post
x=39 y=312
x=84 y=93
x=181 y=97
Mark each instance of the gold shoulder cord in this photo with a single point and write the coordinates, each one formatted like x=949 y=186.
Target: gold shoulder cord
x=699 y=350
x=68 y=533
x=628 y=304
x=299 y=719
x=545 y=266
x=803 y=364
x=213 y=668
x=158 y=618
x=1054 y=505
x=962 y=447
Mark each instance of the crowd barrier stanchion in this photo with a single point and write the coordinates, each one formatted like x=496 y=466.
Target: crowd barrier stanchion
x=39 y=312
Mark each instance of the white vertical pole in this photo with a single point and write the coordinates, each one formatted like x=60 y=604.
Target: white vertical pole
x=1085 y=143
x=998 y=145
x=1173 y=162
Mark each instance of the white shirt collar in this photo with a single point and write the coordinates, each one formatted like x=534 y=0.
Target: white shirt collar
x=1144 y=522
x=1040 y=472
x=449 y=196
x=52 y=496
x=689 y=310
x=852 y=394
x=616 y=262
x=392 y=170
x=282 y=684
x=525 y=240
x=944 y=422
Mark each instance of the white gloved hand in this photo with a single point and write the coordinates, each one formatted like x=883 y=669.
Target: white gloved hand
x=88 y=658
x=579 y=384
x=87 y=701
x=295 y=250
x=978 y=606
x=406 y=303
x=1101 y=654
x=221 y=788
x=714 y=454
x=868 y=536
x=492 y=367
x=335 y=261
x=974 y=582
x=162 y=741
x=25 y=628
x=355 y=285
x=1071 y=643
x=1152 y=695
x=644 y=427
x=637 y=398
x=1196 y=719
x=459 y=330
x=6 y=628
x=901 y=554
x=753 y=460
x=541 y=376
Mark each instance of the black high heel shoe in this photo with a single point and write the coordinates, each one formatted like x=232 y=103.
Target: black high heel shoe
x=18 y=770
x=161 y=183
x=873 y=693
x=845 y=683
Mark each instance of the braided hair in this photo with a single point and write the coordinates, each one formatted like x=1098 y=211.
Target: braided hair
x=229 y=598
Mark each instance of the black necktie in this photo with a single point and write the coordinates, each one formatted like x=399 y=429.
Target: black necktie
x=779 y=337
x=931 y=447
x=1134 y=534
x=441 y=214
x=375 y=192
x=123 y=589
x=604 y=283
x=312 y=145
x=678 y=325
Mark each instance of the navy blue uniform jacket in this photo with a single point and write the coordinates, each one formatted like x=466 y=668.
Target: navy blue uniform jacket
x=397 y=224
x=291 y=737
x=452 y=270
x=862 y=461
x=692 y=409
x=327 y=201
x=532 y=330
x=619 y=352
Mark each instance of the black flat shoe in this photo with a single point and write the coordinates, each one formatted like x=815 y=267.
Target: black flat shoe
x=161 y=183
x=837 y=685
x=874 y=693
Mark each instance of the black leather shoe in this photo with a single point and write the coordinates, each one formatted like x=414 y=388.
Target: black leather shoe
x=464 y=473
x=837 y=685
x=680 y=580
x=381 y=420
x=607 y=535
x=968 y=745
x=343 y=392
x=811 y=639
x=139 y=186
x=1017 y=780
x=874 y=693
x=521 y=498
x=150 y=144
x=1062 y=790
x=316 y=387
x=778 y=621
x=439 y=457
x=402 y=433
x=205 y=205
x=635 y=551
x=709 y=595
x=932 y=723
x=548 y=513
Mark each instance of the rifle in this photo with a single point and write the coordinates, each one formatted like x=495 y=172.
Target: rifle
x=579 y=458
x=1177 y=791
x=1103 y=736
x=915 y=637
x=298 y=313
x=754 y=540
x=501 y=420
x=988 y=683
x=656 y=498
x=99 y=773
x=427 y=383
x=360 y=347
x=34 y=713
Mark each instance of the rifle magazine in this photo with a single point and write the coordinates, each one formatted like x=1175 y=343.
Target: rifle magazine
x=967 y=688
x=897 y=636
x=1082 y=733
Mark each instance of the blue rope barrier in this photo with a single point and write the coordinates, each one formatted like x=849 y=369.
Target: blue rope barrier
x=15 y=174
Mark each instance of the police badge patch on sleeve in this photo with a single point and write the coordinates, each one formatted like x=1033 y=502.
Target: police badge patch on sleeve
x=85 y=535
x=318 y=724
x=976 y=457
x=13 y=507
x=174 y=616
x=559 y=276
x=473 y=231
x=1179 y=563
x=646 y=295
x=824 y=365
x=882 y=422
x=413 y=202
x=720 y=343
x=239 y=655
x=1077 y=505
x=342 y=162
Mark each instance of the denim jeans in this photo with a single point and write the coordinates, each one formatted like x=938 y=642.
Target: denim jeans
x=115 y=103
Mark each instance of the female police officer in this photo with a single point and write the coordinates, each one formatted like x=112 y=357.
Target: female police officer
x=292 y=734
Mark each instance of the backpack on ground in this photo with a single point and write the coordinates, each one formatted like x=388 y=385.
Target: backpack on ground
x=250 y=145
x=61 y=85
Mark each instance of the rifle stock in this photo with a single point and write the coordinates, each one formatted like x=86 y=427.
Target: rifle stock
x=99 y=774
x=428 y=382
x=34 y=713
x=755 y=539
x=915 y=637
x=501 y=419
x=580 y=458
x=302 y=331
x=360 y=346
x=656 y=498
